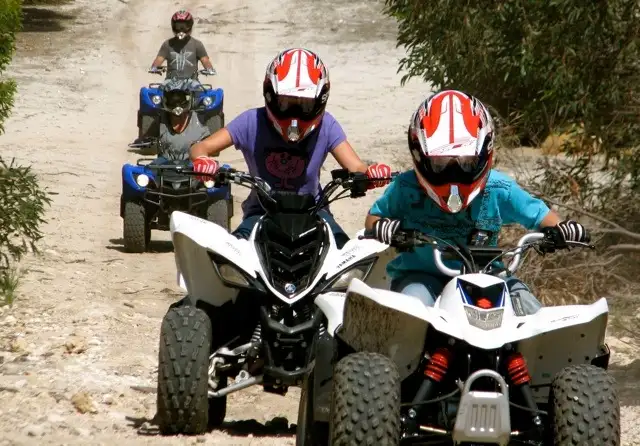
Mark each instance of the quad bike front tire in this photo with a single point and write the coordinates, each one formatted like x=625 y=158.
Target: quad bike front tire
x=183 y=372
x=308 y=431
x=365 y=401
x=585 y=408
x=219 y=212
x=136 y=232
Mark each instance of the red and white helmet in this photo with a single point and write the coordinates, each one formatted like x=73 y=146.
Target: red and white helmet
x=451 y=141
x=296 y=89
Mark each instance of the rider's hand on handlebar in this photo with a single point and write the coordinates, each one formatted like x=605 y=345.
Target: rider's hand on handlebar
x=384 y=229
x=563 y=232
x=378 y=171
x=209 y=71
x=204 y=164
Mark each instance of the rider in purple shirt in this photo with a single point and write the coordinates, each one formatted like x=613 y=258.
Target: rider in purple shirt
x=286 y=141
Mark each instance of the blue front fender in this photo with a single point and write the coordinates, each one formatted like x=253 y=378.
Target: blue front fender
x=146 y=104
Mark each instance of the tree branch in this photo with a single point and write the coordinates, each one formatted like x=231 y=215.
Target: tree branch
x=624 y=247
x=617 y=229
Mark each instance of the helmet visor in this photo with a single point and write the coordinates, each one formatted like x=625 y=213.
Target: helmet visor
x=177 y=99
x=296 y=107
x=467 y=163
x=181 y=27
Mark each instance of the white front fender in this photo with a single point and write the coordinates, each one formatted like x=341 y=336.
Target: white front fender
x=193 y=238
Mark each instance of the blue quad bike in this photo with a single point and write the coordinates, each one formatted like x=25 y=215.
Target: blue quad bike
x=208 y=102
x=151 y=192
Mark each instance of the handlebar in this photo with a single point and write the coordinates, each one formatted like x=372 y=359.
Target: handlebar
x=411 y=239
x=355 y=183
x=158 y=70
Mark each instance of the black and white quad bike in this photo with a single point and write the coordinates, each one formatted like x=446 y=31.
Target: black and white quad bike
x=249 y=313
x=473 y=369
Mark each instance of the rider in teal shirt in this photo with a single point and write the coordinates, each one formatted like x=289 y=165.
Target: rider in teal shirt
x=502 y=202
x=453 y=193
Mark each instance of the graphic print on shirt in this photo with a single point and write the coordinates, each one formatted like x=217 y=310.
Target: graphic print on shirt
x=180 y=60
x=287 y=166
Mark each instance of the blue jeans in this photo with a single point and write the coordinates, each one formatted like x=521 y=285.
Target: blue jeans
x=429 y=287
x=246 y=226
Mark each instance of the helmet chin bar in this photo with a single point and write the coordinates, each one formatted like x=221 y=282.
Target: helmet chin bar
x=181 y=35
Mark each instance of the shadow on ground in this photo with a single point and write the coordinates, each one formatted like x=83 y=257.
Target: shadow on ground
x=277 y=427
x=628 y=379
x=155 y=246
x=37 y=19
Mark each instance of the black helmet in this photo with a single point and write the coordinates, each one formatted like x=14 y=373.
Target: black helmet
x=181 y=23
x=177 y=97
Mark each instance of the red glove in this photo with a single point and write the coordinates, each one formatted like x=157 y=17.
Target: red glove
x=204 y=164
x=378 y=171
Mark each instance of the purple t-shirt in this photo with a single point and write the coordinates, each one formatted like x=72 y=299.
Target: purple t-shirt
x=284 y=166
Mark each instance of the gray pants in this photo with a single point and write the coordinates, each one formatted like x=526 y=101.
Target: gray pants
x=428 y=286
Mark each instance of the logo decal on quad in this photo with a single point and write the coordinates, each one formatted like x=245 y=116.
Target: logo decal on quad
x=290 y=288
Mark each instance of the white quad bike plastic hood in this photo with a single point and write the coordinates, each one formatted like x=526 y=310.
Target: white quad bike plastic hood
x=194 y=239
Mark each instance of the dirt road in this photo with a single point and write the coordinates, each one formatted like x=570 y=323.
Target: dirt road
x=83 y=335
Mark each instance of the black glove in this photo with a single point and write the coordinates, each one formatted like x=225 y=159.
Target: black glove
x=563 y=232
x=384 y=229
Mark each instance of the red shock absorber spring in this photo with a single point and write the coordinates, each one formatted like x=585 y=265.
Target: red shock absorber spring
x=438 y=364
x=517 y=369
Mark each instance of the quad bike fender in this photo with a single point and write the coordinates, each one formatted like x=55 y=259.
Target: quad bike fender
x=193 y=238
x=557 y=337
x=130 y=187
x=356 y=251
x=146 y=103
x=384 y=322
x=217 y=100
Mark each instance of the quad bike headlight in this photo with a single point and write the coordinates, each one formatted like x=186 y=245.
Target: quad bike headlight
x=359 y=271
x=156 y=99
x=142 y=180
x=207 y=101
x=484 y=319
x=231 y=275
x=209 y=184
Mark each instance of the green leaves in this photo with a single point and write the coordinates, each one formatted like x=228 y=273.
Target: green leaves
x=10 y=24
x=554 y=63
x=23 y=203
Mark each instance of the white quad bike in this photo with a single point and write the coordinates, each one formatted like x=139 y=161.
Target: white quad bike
x=249 y=313
x=473 y=369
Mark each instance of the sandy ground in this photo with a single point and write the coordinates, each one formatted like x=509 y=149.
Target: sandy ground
x=78 y=351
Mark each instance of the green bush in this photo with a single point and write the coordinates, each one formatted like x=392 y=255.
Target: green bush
x=23 y=203
x=542 y=65
x=10 y=23
x=22 y=200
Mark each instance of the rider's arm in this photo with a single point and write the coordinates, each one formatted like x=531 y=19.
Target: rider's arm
x=157 y=62
x=348 y=158
x=236 y=133
x=206 y=62
x=529 y=211
x=163 y=54
x=203 y=56
x=370 y=220
x=389 y=205
x=212 y=145
x=551 y=219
